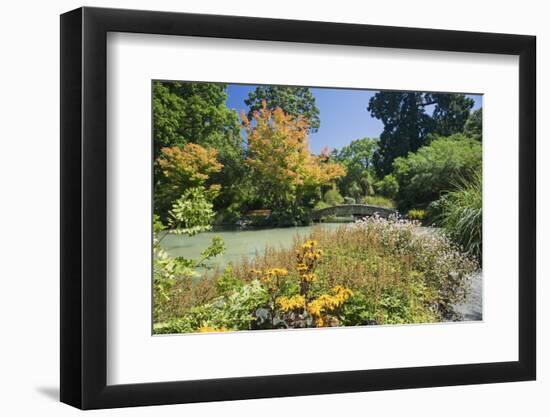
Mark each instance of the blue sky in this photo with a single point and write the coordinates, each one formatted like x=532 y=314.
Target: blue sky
x=343 y=113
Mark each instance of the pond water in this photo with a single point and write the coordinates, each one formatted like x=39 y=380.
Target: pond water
x=238 y=243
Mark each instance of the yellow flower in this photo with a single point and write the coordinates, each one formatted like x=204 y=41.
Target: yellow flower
x=314 y=308
x=341 y=293
x=210 y=329
x=273 y=272
x=291 y=303
x=321 y=321
x=281 y=272
x=327 y=302
x=309 y=244
x=309 y=277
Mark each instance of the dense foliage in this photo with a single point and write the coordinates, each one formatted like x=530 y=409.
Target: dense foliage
x=357 y=159
x=283 y=168
x=425 y=175
x=459 y=213
x=409 y=117
x=193 y=112
x=474 y=125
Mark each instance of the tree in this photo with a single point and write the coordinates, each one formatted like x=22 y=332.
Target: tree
x=190 y=165
x=184 y=168
x=332 y=197
x=450 y=113
x=434 y=169
x=357 y=158
x=474 y=125
x=186 y=112
x=283 y=169
x=296 y=101
x=387 y=186
x=409 y=117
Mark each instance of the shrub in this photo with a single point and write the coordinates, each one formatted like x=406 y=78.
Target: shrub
x=378 y=200
x=233 y=311
x=355 y=191
x=332 y=197
x=387 y=186
x=321 y=205
x=434 y=169
x=416 y=214
x=460 y=214
x=191 y=214
x=349 y=200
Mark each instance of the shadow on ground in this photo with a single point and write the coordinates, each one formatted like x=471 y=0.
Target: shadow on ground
x=50 y=392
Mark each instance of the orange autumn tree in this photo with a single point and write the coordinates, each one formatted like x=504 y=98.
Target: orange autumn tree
x=184 y=168
x=284 y=170
x=190 y=165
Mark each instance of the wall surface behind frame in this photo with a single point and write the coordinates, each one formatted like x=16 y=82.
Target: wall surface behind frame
x=29 y=175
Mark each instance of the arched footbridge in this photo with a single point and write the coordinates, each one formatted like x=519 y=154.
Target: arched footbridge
x=355 y=210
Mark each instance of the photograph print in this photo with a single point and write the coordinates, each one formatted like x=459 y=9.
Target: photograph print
x=300 y=207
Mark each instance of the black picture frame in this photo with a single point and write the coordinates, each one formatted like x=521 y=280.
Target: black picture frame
x=84 y=207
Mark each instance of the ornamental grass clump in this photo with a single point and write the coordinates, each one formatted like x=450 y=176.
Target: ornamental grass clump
x=460 y=214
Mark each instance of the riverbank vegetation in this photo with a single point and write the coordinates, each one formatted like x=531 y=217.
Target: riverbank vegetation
x=216 y=167
x=375 y=271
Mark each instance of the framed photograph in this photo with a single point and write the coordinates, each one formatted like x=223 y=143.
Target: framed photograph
x=256 y=208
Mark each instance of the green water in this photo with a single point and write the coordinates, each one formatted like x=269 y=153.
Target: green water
x=238 y=243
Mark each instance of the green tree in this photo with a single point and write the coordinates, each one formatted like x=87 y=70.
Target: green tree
x=430 y=172
x=357 y=158
x=409 y=117
x=296 y=101
x=187 y=112
x=474 y=125
x=450 y=113
x=332 y=197
x=387 y=186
